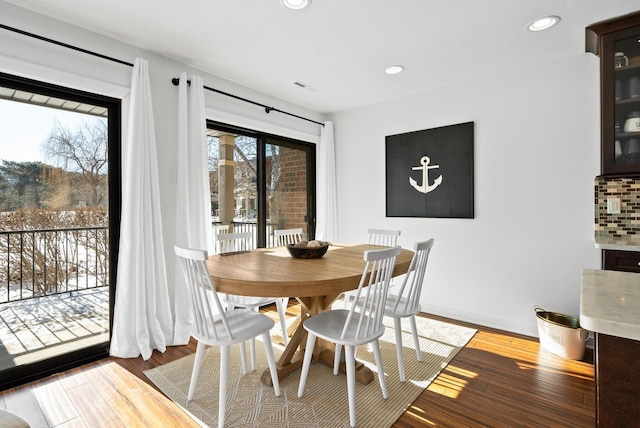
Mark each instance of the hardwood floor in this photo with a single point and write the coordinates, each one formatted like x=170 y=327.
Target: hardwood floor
x=499 y=379
x=503 y=379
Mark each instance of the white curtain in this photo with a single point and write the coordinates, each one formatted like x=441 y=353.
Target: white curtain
x=142 y=314
x=327 y=211
x=193 y=209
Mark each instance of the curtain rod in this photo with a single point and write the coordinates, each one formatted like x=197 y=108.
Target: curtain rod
x=267 y=109
x=175 y=80
x=55 y=42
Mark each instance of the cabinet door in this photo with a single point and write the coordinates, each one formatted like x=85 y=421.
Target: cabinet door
x=626 y=261
x=618 y=390
x=620 y=73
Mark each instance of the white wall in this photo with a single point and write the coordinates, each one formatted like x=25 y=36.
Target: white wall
x=536 y=155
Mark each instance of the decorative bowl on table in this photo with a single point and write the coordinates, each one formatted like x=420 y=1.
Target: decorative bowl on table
x=308 y=250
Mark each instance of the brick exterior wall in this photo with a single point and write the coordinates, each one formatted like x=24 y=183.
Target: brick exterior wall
x=292 y=190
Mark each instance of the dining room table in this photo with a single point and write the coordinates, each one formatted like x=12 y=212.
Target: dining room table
x=314 y=283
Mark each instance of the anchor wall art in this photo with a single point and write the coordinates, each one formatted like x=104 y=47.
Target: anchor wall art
x=430 y=172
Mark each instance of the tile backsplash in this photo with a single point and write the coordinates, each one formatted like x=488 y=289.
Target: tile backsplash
x=627 y=223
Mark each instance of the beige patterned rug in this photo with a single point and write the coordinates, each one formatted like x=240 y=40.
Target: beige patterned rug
x=324 y=404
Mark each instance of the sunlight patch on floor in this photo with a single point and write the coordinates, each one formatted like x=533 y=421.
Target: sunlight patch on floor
x=418 y=415
x=586 y=374
x=447 y=385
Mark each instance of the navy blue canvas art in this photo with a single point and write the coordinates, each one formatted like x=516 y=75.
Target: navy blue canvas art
x=429 y=173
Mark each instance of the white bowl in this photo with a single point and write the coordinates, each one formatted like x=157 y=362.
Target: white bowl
x=632 y=125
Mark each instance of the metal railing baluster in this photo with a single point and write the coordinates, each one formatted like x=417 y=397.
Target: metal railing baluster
x=52 y=249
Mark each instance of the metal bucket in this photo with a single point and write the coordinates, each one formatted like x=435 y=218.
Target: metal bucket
x=561 y=334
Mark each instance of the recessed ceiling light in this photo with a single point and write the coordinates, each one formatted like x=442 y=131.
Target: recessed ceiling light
x=394 y=69
x=295 y=4
x=544 y=23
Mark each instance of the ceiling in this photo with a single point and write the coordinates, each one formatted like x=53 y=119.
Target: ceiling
x=341 y=47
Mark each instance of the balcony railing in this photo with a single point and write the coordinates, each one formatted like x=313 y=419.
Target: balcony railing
x=240 y=226
x=37 y=263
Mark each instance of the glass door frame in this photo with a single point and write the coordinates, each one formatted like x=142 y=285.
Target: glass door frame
x=263 y=139
x=36 y=370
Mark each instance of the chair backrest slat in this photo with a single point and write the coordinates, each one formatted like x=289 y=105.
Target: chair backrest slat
x=216 y=229
x=412 y=285
x=374 y=287
x=383 y=237
x=201 y=292
x=232 y=242
x=287 y=236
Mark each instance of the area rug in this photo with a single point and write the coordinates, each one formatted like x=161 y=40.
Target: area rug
x=324 y=403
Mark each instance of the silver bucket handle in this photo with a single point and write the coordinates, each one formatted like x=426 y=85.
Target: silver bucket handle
x=538 y=309
x=586 y=337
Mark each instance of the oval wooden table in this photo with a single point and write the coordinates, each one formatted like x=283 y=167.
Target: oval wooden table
x=315 y=283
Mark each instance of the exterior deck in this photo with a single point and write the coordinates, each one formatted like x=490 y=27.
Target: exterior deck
x=43 y=327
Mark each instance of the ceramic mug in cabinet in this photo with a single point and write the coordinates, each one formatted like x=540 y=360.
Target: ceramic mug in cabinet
x=620 y=60
x=617 y=149
x=634 y=149
x=633 y=122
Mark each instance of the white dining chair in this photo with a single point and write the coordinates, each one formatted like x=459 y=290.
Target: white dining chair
x=287 y=236
x=382 y=237
x=230 y=242
x=222 y=329
x=216 y=229
x=241 y=241
x=406 y=302
x=284 y=237
x=351 y=328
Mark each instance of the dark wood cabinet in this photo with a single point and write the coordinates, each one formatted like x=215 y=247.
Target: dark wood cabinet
x=617 y=44
x=616 y=361
x=617 y=372
x=626 y=261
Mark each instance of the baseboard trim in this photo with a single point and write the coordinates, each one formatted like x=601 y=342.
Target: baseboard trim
x=527 y=329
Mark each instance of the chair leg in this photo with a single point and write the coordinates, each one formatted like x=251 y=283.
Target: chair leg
x=281 y=305
x=306 y=363
x=336 y=359
x=197 y=363
x=252 y=346
x=378 y=357
x=266 y=338
x=416 y=340
x=224 y=378
x=398 y=331
x=243 y=356
x=252 y=350
x=350 y=363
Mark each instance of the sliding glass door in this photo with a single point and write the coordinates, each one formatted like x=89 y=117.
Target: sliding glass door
x=59 y=210
x=260 y=183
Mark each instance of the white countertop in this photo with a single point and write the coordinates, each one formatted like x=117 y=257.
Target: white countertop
x=610 y=303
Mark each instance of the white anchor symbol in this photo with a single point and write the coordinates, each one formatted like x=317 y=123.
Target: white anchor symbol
x=425 y=188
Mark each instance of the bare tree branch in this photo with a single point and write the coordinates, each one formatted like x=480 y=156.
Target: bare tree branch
x=84 y=152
